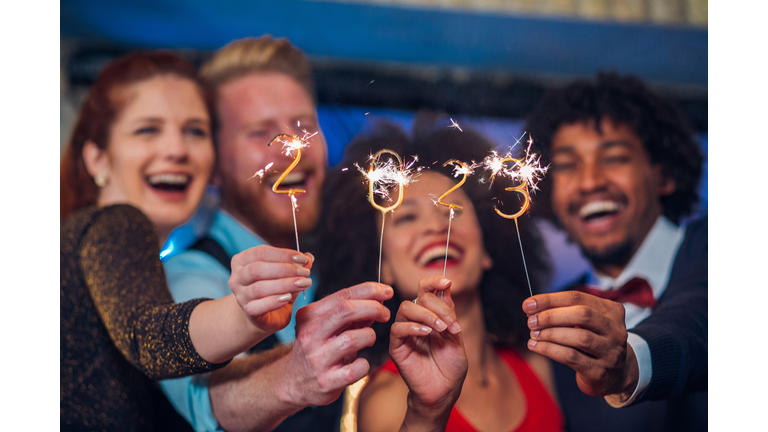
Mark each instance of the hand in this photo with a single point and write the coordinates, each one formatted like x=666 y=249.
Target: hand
x=425 y=343
x=586 y=333
x=266 y=281
x=329 y=332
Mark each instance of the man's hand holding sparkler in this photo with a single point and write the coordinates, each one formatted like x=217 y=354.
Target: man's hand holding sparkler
x=329 y=333
x=426 y=345
x=588 y=334
x=266 y=280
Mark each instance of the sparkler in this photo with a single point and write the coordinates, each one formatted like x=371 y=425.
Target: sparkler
x=382 y=177
x=455 y=125
x=290 y=143
x=528 y=172
x=460 y=169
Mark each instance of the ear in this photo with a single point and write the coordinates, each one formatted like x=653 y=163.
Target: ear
x=387 y=274
x=96 y=160
x=666 y=184
x=486 y=263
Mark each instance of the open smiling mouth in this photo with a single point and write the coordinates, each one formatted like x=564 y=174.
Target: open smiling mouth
x=169 y=182
x=435 y=256
x=599 y=210
x=294 y=180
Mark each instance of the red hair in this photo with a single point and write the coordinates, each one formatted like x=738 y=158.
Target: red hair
x=99 y=111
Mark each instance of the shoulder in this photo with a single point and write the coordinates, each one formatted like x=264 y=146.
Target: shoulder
x=107 y=224
x=383 y=402
x=692 y=257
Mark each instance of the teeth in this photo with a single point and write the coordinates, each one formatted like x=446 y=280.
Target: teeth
x=436 y=252
x=598 y=207
x=291 y=178
x=174 y=179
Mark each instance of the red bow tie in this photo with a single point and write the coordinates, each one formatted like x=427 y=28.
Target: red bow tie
x=635 y=291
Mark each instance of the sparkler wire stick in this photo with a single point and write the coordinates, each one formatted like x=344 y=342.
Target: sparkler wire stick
x=371 y=195
x=461 y=168
x=523 y=189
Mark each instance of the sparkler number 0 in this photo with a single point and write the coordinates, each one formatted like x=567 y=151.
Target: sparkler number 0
x=464 y=169
x=290 y=167
x=371 y=193
x=523 y=189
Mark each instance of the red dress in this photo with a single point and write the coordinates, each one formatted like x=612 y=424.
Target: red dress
x=543 y=415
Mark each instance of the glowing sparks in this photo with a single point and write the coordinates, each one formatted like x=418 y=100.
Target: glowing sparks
x=387 y=175
x=527 y=169
x=455 y=125
x=260 y=173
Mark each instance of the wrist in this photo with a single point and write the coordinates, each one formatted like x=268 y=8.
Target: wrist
x=287 y=388
x=631 y=373
x=426 y=417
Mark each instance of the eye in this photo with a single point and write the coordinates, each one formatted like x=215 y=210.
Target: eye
x=259 y=134
x=197 y=132
x=147 y=130
x=616 y=160
x=562 y=166
x=403 y=218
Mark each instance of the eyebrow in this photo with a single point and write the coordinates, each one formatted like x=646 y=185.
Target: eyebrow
x=571 y=148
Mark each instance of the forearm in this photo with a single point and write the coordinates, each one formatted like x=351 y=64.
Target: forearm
x=220 y=330
x=249 y=394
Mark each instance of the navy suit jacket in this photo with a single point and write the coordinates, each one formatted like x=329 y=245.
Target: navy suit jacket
x=676 y=332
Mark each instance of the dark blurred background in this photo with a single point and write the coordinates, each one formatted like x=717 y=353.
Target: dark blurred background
x=483 y=62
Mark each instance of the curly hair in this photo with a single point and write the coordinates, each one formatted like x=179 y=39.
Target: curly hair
x=346 y=240
x=625 y=100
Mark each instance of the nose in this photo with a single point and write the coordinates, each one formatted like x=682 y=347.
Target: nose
x=437 y=220
x=175 y=147
x=592 y=178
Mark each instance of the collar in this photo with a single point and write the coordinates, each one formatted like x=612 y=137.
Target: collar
x=233 y=236
x=653 y=260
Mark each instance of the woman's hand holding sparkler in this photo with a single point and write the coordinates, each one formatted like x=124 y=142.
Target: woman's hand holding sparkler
x=426 y=345
x=266 y=281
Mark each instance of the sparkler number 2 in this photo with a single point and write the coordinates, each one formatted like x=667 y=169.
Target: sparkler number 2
x=461 y=168
x=523 y=189
x=295 y=162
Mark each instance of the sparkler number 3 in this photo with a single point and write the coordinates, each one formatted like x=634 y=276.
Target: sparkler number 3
x=290 y=167
x=522 y=188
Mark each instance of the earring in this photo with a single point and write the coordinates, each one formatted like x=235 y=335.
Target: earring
x=100 y=180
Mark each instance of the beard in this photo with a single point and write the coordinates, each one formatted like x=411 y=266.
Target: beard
x=275 y=226
x=614 y=255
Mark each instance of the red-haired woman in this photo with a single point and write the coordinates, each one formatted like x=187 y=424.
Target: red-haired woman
x=136 y=166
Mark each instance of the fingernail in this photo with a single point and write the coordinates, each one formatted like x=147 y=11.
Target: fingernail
x=455 y=328
x=529 y=305
x=440 y=325
x=425 y=329
x=533 y=321
x=531 y=343
x=535 y=334
x=444 y=282
x=311 y=257
x=284 y=297
x=388 y=290
x=301 y=271
x=301 y=259
x=306 y=282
